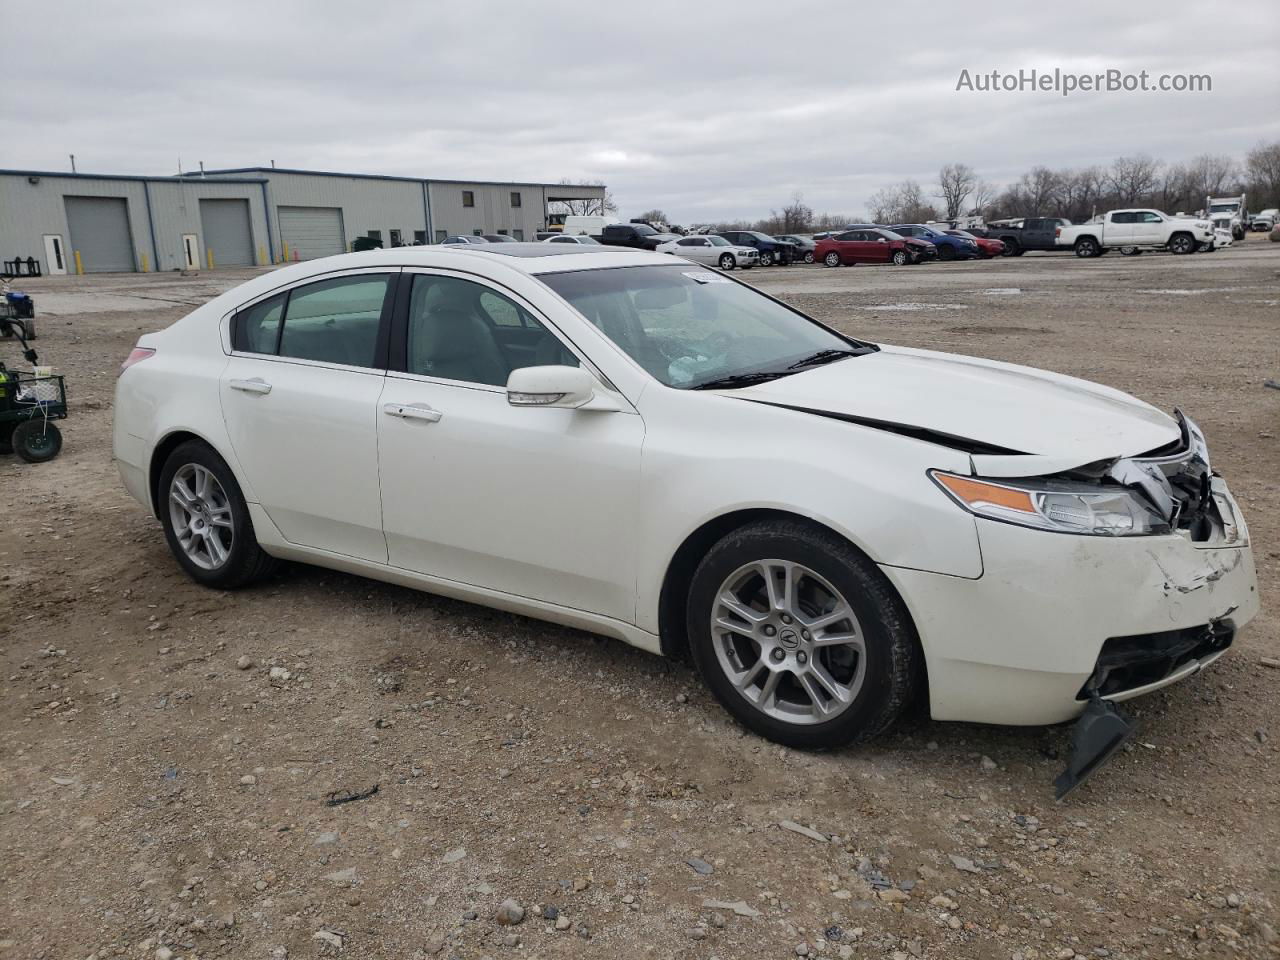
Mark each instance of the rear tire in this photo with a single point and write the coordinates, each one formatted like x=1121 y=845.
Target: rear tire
x=777 y=676
x=36 y=441
x=199 y=513
x=946 y=252
x=766 y=258
x=832 y=259
x=1087 y=247
x=808 y=256
x=1011 y=249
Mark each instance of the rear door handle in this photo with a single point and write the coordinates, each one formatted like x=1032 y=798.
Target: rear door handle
x=412 y=411
x=256 y=385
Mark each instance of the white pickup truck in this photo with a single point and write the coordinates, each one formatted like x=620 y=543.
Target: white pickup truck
x=1132 y=230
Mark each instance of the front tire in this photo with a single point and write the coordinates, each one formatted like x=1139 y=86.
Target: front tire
x=832 y=259
x=900 y=258
x=726 y=261
x=800 y=636
x=206 y=520
x=1182 y=244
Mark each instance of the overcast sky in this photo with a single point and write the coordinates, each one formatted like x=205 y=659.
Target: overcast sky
x=707 y=110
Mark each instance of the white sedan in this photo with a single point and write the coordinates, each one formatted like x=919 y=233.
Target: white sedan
x=713 y=251
x=640 y=447
x=579 y=238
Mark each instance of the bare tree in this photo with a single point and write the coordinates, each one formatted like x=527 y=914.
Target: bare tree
x=1209 y=175
x=796 y=215
x=955 y=182
x=1133 y=178
x=984 y=198
x=903 y=203
x=654 y=216
x=1082 y=191
x=1263 y=166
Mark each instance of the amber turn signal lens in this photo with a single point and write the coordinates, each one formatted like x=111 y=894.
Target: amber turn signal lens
x=974 y=492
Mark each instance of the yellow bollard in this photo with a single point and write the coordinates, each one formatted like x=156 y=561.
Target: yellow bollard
x=209 y=256
x=146 y=264
x=79 y=264
x=286 y=251
x=262 y=257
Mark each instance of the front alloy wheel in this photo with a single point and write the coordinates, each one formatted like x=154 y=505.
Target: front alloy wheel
x=788 y=641
x=900 y=258
x=1182 y=244
x=726 y=261
x=800 y=636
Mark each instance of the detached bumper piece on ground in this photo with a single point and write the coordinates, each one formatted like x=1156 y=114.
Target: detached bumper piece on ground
x=1101 y=730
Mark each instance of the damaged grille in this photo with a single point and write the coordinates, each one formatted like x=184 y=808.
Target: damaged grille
x=1127 y=663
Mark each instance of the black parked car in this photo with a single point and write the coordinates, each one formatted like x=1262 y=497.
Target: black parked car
x=771 y=249
x=805 y=245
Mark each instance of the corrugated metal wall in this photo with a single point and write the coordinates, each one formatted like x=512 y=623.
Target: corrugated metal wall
x=162 y=210
x=366 y=203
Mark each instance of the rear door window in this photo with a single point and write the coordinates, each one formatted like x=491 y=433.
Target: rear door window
x=256 y=329
x=335 y=321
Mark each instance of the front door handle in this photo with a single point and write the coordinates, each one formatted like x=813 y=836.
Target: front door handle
x=412 y=411
x=256 y=385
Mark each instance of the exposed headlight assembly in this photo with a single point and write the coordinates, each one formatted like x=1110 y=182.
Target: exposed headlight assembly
x=1060 y=506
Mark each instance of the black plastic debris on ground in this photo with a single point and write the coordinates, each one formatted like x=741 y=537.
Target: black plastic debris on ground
x=338 y=797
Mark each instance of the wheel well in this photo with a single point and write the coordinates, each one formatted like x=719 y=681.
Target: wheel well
x=159 y=456
x=673 y=601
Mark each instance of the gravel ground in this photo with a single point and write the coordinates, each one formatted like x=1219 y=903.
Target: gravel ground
x=168 y=750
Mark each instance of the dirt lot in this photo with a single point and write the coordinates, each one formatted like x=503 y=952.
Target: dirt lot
x=158 y=801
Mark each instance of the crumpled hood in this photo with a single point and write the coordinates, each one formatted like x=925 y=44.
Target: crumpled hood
x=1064 y=421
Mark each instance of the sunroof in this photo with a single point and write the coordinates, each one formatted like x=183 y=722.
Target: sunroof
x=528 y=249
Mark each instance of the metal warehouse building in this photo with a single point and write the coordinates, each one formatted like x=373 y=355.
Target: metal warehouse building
x=87 y=223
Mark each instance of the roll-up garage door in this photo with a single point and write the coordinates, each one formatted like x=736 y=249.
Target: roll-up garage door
x=312 y=232
x=227 y=233
x=99 y=228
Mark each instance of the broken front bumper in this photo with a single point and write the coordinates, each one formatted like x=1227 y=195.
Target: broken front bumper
x=1023 y=643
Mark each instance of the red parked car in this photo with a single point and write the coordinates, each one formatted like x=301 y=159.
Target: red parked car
x=987 y=246
x=872 y=245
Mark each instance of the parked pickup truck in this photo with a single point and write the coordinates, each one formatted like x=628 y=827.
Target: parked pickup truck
x=638 y=235
x=1137 y=230
x=1031 y=233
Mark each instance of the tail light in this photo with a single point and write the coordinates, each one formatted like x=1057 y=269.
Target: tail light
x=1057 y=232
x=136 y=355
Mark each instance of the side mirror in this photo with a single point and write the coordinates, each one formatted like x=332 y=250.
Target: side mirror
x=569 y=388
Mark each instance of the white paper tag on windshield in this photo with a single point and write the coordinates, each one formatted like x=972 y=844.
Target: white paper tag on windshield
x=706 y=276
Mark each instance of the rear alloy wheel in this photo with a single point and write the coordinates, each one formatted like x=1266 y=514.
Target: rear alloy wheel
x=766 y=258
x=808 y=256
x=900 y=258
x=832 y=259
x=1182 y=243
x=206 y=520
x=726 y=261
x=1087 y=247
x=800 y=636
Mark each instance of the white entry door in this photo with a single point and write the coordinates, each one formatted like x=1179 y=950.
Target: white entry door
x=55 y=254
x=190 y=251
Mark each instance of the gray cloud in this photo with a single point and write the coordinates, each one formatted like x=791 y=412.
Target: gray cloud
x=706 y=110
